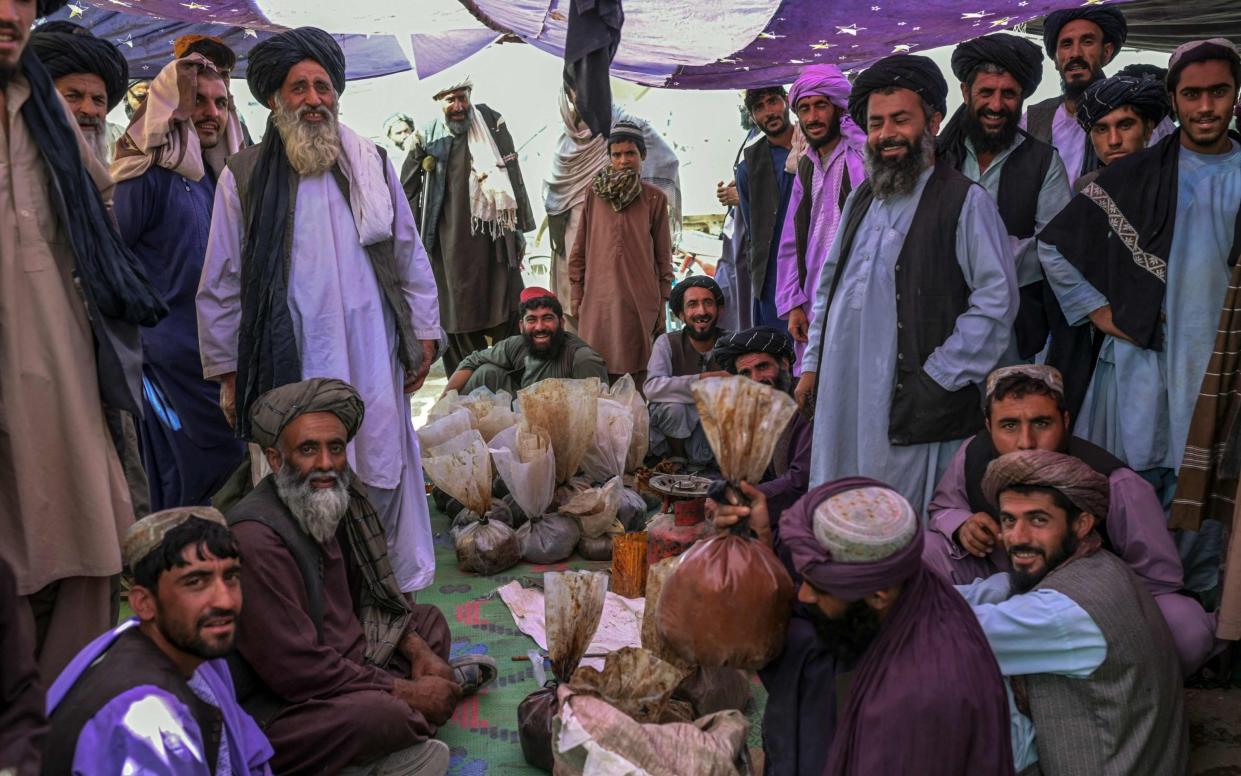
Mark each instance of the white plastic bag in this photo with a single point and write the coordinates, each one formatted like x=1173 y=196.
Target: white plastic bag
x=461 y=467
x=625 y=392
x=566 y=410
x=596 y=508
x=445 y=427
x=573 y=606
x=493 y=412
x=605 y=458
x=524 y=460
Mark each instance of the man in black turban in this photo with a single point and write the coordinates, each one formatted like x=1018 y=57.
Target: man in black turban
x=89 y=73
x=1119 y=114
x=679 y=359
x=983 y=141
x=916 y=73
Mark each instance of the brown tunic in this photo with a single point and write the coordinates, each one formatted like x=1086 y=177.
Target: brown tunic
x=63 y=498
x=620 y=268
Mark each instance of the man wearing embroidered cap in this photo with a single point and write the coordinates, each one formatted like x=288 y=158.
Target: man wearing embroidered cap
x=831 y=168
x=1025 y=411
x=165 y=666
x=620 y=265
x=920 y=662
x=543 y=350
x=314 y=268
x=917 y=300
x=464 y=184
x=1089 y=655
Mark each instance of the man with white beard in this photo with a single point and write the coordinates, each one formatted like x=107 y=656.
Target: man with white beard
x=338 y=686
x=314 y=268
x=89 y=73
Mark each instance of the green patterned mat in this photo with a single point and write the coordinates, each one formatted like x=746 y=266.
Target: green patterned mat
x=483 y=731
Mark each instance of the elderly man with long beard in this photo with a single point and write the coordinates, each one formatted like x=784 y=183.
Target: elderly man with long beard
x=916 y=299
x=342 y=672
x=314 y=268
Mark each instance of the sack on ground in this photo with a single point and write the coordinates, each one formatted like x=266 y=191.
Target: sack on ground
x=548 y=538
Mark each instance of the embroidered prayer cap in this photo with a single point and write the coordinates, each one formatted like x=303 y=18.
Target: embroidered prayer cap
x=279 y=407
x=66 y=48
x=627 y=130
x=1203 y=51
x=464 y=84
x=270 y=61
x=1108 y=18
x=211 y=47
x=1015 y=55
x=914 y=72
x=852 y=537
x=1147 y=97
x=1086 y=488
x=147 y=534
x=760 y=339
x=676 y=299
x=1047 y=375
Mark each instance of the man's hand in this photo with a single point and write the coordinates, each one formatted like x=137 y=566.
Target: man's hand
x=1102 y=319
x=228 y=398
x=799 y=326
x=422 y=659
x=716 y=373
x=804 y=392
x=722 y=516
x=978 y=534
x=431 y=696
x=428 y=357
x=727 y=195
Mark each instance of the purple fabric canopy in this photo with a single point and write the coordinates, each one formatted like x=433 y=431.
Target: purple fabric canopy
x=684 y=44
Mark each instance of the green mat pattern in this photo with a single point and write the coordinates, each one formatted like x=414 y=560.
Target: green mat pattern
x=483 y=732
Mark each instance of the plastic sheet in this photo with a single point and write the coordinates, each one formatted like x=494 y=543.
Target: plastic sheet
x=709 y=690
x=743 y=421
x=486 y=547
x=596 y=508
x=498 y=512
x=652 y=639
x=548 y=538
x=493 y=412
x=599 y=547
x=605 y=457
x=632 y=510
x=445 y=427
x=625 y=392
x=632 y=680
x=461 y=467
x=524 y=460
x=566 y=410
x=726 y=603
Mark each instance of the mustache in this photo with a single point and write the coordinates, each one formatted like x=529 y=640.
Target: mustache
x=307 y=110
x=12 y=29
x=216 y=614
x=89 y=121
x=1027 y=548
x=893 y=142
x=1076 y=62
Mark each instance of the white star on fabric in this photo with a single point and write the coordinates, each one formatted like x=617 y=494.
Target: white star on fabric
x=249 y=33
x=121 y=3
x=770 y=35
x=75 y=11
x=976 y=15
x=901 y=48
x=852 y=29
x=822 y=46
x=1004 y=22
x=915 y=29
x=1022 y=4
x=901 y=24
x=196 y=6
x=875 y=8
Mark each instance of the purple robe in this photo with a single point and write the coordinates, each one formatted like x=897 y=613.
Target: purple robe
x=1136 y=528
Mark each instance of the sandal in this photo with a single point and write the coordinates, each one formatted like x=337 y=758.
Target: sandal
x=474 y=672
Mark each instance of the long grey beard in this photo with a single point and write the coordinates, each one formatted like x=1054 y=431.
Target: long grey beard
x=317 y=510
x=898 y=177
x=310 y=148
x=459 y=128
x=99 y=145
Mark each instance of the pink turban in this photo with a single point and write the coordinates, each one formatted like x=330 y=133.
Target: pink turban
x=828 y=81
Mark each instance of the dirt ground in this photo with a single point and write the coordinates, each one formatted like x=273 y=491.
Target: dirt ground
x=1214 y=731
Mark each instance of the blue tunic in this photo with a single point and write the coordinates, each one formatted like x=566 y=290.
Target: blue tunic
x=188 y=448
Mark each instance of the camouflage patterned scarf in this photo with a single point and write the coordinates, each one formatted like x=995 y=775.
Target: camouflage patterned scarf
x=618 y=187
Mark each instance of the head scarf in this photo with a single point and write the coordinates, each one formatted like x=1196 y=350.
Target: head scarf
x=1108 y=18
x=1145 y=70
x=828 y=81
x=209 y=46
x=279 y=407
x=1015 y=55
x=618 y=188
x=145 y=536
x=676 y=299
x=1203 y=51
x=1086 y=488
x=270 y=61
x=66 y=48
x=1047 y=375
x=465 y=84
x=761 y=339
x=627 y=130
x=161 y=133
x=914 y=72
x=1148 y=97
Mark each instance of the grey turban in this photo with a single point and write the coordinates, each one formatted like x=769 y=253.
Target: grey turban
x=279 y=407
x=1086 y=488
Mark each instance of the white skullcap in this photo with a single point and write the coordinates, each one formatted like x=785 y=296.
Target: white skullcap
x=864 y=524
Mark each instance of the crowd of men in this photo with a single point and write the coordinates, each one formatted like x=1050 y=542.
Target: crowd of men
x=1011 y=332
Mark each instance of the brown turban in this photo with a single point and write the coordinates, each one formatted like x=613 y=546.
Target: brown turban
x=1080 y=484
x=279 y=407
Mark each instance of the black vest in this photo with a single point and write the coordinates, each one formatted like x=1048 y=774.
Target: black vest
x=1039 y=118
x=686 y=360
x=801 y=216
x=931 y=293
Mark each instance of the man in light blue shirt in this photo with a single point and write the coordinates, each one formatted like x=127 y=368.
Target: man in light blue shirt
x=1096 y=683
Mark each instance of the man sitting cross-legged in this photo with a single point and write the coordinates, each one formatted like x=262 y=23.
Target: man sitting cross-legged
x=343 y=673
x=1025 y=411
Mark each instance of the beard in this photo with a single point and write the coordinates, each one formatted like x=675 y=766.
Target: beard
x=1074 y=91
x=897 y=177
x=1024 y=581
x=98 y=142
x=548 y=351
x=846 y=638
x=310 y=148
x=317 y=510
x=833 y=132
x=776 y=130
x=985 y=141
x=783 y=382
x=704 y=335
x=190 y=639
x=460 y=126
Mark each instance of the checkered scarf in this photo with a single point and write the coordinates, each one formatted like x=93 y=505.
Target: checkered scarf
x=618 y=187
x=383 y=609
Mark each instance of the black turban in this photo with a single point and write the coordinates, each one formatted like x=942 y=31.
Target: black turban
x=760 y=339
x=1016 y=56
x=1148 y=97
x=676 y=299
x=65 y=48
x=1109 y=19
x=907 y=71
x=270 y=61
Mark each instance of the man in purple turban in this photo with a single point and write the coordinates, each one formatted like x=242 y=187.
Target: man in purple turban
x=1095 y=679
x=832 y=167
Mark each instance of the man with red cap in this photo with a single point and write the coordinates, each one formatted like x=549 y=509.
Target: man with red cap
x=543 y=349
